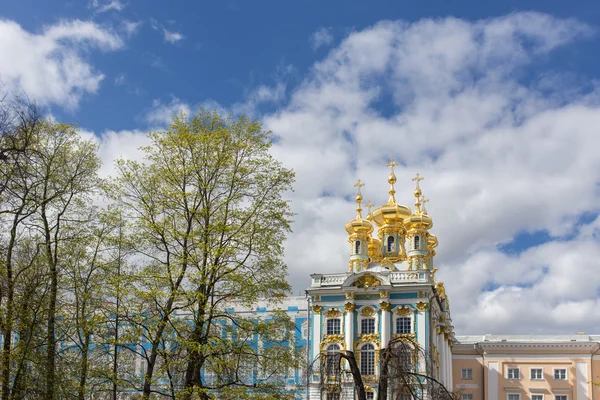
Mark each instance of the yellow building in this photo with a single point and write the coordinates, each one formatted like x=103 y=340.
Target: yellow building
x=520 y=367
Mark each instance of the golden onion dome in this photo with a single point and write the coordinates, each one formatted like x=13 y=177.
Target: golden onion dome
x=418 y=219
x=391 y=213
x=358 y=224
x=374 y=246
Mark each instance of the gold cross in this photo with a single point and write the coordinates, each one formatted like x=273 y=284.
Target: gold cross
x=417 y=179
x=424 y=200
x=369 y=205
x=391 y=164
x=358 y=185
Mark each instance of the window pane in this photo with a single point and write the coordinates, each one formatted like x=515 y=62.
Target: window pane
x=333 y=326
x=403 y=325
x=367 y=325
x=367 y=360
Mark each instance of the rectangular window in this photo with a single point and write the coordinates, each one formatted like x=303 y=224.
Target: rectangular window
x=403 y=325
x=537 y=373
x=513 y=373
x=367 y=325
x=370 y=395
x=467 y=396
x=333 y=396
x=537 y=397
x=466 y=373
x=560 y=374
x=333 y=326
x=560 y=397
x=514 y=397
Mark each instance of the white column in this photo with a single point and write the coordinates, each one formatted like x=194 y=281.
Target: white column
x=385 y=324
x=582 y=382
x=317 y=331
x=421 y=335
x=349 y=330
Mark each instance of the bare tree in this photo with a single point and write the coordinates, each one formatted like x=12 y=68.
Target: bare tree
x=405 y=372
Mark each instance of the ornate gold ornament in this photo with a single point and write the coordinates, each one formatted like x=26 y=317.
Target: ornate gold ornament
x=422 y=306
x=421 y=295
x=368 y=337
x=367 y=281
x=317 y=298
x=332 y=313
x=385 y=306
x=317 y=309
x=433 y=271
x=441 y=290
x=409 y=336
x=349 y=295
x=384 y=294
x=367 y=312
x=349 y=307
x=333 y=339
x=403 y=311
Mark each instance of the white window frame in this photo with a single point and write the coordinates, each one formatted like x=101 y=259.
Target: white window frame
x=370 y=395
x=360 y=366
x=513 y=394
x=565 y=396
x=327 y=323
x=397 y=318
x=411 y=315
x=466 y=374
x=508 y=369
x=375 y=315
x=531 y=374
x=374 y=324
x=566 y=378
x=537 y=394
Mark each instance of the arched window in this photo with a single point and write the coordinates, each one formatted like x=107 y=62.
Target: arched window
x=367 y=360
x=417 y=242
x=357 y=247
x=333 y=359
x=367 y=325
x=391 y=246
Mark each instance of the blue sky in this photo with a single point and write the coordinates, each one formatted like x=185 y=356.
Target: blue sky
x=495 y=103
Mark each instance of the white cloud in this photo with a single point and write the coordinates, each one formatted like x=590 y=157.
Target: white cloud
x=501 y=155
x=115 y=5
x=169 y=36
x=50 y=67
x=161 y=115
x=322 y=37
x=131 y=27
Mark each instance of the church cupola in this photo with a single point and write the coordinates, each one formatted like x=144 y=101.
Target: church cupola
x=359 y=231
x=389 y=218
x=417 y=235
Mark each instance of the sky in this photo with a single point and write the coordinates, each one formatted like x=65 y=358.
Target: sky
x=496 y=104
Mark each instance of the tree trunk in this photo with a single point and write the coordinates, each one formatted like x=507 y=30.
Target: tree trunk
x=360 y=387
x=84 y=367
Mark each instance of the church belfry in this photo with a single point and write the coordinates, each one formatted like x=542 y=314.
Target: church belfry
x=388 y=294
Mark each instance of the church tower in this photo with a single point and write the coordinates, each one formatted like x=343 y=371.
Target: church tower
x=387 y=296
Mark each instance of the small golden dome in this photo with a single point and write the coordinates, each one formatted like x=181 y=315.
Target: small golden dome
x=358 y=224
x=391 y=213
x=418 y=219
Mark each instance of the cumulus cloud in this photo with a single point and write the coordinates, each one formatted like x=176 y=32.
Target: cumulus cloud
x=161 y=114
x=322 y=37
x=501 y=156
x=50 y=66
